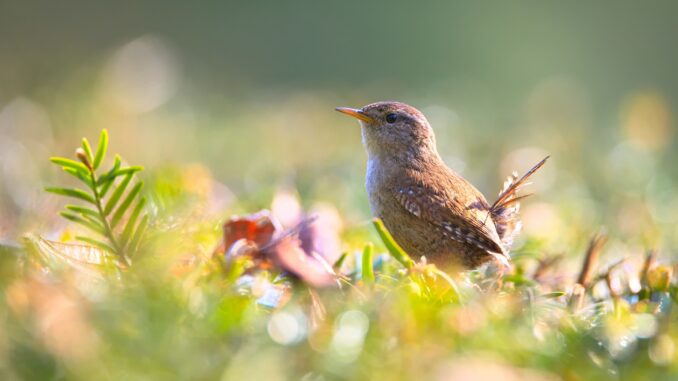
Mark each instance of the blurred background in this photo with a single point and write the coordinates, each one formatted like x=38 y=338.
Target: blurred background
x=230 y=108
x=242 y=93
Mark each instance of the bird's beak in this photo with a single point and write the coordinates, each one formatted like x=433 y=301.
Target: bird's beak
x=356 y=113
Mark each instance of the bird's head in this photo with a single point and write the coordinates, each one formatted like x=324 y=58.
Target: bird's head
x=394 y=130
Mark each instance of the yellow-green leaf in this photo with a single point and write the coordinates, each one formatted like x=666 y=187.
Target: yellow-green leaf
x=101 y=149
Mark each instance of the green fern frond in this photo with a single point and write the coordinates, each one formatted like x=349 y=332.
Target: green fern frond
x=105 y=215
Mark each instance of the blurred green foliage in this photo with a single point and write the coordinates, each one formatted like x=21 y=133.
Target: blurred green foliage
x=229 y=107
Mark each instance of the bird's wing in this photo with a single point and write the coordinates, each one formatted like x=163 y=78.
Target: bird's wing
x=460 y=217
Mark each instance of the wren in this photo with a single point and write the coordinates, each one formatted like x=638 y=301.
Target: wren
x=431 y=210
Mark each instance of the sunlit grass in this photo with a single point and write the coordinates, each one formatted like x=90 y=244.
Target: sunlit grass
x=202 y=301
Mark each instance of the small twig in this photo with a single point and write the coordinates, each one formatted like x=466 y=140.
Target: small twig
x=616 y=294
x=576 y=301
x=650 y=260
x=608 y=279
x=591 y=259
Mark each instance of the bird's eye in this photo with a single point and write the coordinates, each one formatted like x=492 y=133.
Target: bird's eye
x=391 y=118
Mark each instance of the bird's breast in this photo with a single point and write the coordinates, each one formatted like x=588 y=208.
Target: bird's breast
x=375 y=180
x=381 y=179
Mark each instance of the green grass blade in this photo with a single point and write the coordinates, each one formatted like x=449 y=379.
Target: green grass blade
x=68 y=163
x=101 y=149
x=88 y=149
x=554 y=294
x=391 y=245
x=131 y=222
x=453 y=285
x=75 y=193
x=115 y=197
x=368 y=271
x=83 y=221
x=337 y=265
x=126 y=203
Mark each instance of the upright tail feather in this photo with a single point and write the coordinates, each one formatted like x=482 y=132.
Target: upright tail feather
x=504 y=211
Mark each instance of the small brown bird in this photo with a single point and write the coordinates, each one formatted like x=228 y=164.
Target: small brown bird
x=429 y=209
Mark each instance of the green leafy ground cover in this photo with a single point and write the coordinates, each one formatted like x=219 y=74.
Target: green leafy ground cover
x=147 y=283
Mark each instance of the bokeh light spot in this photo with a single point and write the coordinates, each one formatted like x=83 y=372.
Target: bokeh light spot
x=141 y=76
x=284 y=328
x=647 y=121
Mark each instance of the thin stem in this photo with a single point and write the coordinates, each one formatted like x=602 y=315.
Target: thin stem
x=591 y=258
x=107 y=227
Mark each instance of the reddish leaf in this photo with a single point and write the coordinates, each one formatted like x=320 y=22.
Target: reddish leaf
x=259 y=237
x=258 y=228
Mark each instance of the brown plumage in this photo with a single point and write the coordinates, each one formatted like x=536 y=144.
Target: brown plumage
x=429 y=209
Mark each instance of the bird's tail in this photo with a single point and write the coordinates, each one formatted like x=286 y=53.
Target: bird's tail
x=504 y=211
